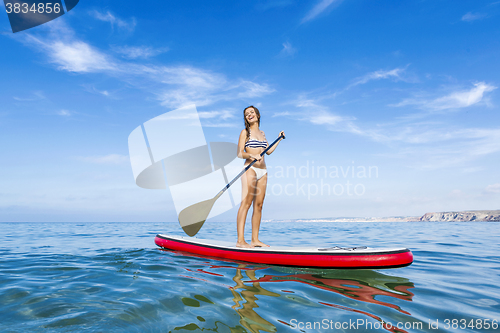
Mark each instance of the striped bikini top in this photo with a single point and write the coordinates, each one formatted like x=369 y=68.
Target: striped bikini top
x=254 y=143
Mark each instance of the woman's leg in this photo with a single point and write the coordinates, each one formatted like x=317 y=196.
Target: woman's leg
x=248 y=192
x=258 y=201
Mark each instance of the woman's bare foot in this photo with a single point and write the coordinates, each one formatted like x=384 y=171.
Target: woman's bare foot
x=243 y=244
x=258 y=244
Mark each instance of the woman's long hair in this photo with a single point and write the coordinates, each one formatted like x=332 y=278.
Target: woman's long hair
x=247 y=125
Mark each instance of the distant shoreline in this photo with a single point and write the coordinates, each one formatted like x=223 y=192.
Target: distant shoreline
x=457 y=216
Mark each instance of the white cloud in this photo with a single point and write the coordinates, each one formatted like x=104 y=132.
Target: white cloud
x=454 y=100
x=318 y=114
x=325 y=118
x=424 y=145
x=210 y=118
x=218 y=124
x=139 y=52
x=175 y=86
x=469 y=17
x=64 y=113
x=78 y=57
x=441 y=148
x=395 y=74
x=282 y=114
x=494 y=188
x=252 y=89
x=287 y=50
x=462 y=99
x=193 y=85
x=94 y=90
x=224 y=114
x=320 y=7
x=186 y=76
x=312 y=104
x=73 y=56
x=37 y=96
x=339 y=123
x=114 y=20
x=173 y=98
x=103 y=92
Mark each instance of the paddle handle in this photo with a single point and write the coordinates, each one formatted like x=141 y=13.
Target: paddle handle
x=248 y=167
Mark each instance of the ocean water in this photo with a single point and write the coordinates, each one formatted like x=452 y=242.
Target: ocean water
x=111 y=277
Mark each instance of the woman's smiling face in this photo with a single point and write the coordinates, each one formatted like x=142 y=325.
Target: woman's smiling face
x=251 y=115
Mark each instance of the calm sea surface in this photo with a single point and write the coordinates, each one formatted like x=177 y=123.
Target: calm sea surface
x=111 y=277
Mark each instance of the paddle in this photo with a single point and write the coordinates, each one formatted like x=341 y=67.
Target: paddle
x=192 y=218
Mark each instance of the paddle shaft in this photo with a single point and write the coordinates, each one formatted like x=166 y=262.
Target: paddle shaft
x=247 y=167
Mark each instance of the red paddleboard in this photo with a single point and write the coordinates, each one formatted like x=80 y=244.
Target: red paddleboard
x=312 y=257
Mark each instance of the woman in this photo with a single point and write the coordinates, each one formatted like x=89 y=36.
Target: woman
x=250 y=145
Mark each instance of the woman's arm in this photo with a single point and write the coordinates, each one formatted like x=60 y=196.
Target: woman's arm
x=276 y=145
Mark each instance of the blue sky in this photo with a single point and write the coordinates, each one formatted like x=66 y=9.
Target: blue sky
x=408 y=89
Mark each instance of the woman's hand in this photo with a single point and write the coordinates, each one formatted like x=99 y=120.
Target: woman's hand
x=256 y=157
x=282 y=134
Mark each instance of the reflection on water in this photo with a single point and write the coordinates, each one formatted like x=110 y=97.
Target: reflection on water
x=249 y=318
x=249 y=291
x=362 y=285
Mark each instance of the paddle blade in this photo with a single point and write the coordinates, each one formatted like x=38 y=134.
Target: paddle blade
x=192 y=218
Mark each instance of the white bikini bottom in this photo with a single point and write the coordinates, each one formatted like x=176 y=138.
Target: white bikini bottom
x=259 y=172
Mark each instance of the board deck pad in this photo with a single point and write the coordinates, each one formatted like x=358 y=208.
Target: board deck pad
x=314 y=257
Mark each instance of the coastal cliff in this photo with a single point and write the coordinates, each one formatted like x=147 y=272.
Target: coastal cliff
x=466 y=216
